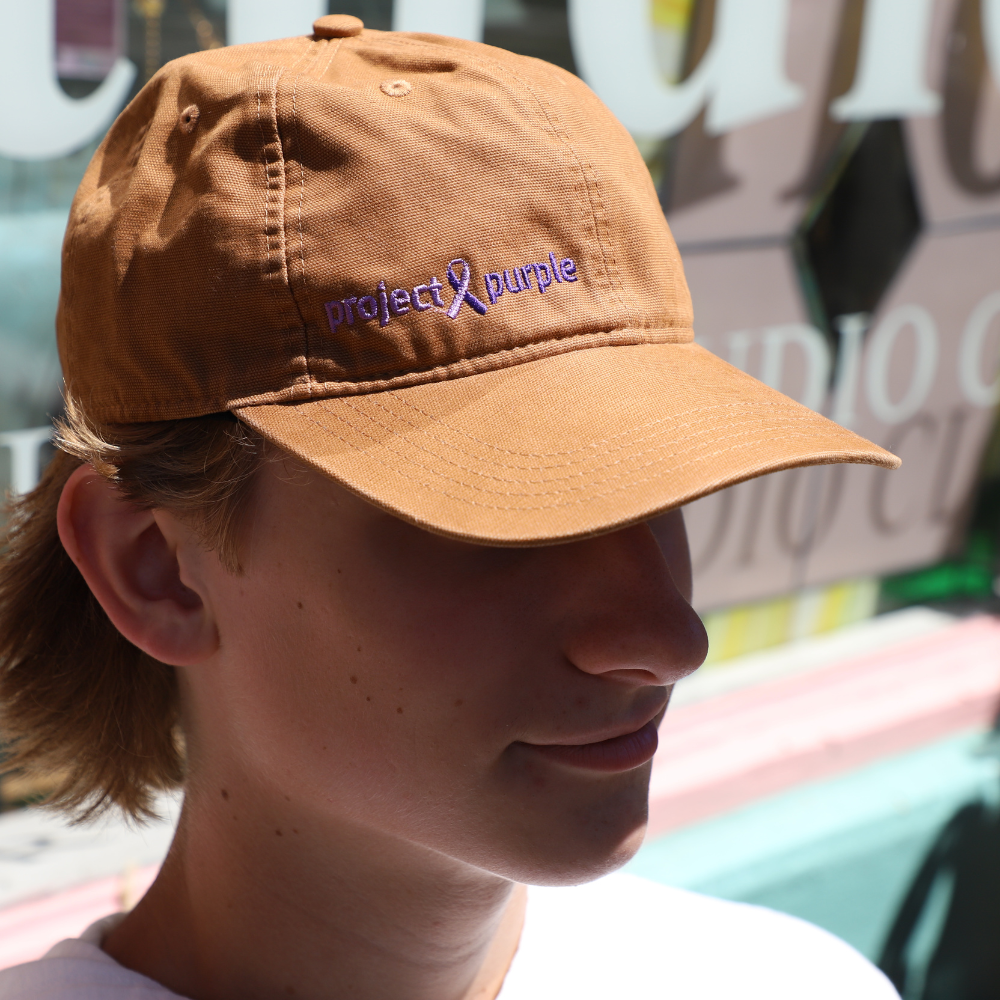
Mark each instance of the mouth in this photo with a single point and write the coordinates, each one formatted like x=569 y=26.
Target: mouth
x=620 y=753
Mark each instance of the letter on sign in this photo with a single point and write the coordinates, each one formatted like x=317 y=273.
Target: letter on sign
x=970 y=354
x=41 y=121
x=817 y=355
x=889 y=82
x=458 y=18
x=264 y=20
x=741 y=76
x=880 y=348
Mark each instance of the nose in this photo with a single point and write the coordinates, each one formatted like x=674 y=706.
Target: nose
x=627 y=619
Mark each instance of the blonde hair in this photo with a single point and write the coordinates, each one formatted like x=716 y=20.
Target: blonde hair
x=81 y=706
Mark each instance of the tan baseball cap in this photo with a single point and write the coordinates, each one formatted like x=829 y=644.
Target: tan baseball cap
x=435 y=270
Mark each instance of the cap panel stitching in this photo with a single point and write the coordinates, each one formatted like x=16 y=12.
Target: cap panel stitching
x=270 y=177
x=334 y=44
x=310 y=381
x=310 y=53
x=302 y=245
x=276 y=192
x=593 y=193
x=310 y=56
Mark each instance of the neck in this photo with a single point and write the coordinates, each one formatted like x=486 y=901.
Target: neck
x=249 y=906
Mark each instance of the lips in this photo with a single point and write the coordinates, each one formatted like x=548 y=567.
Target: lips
x=621 y=753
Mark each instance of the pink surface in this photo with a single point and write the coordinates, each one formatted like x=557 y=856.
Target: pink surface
x=728 y=751
x=28 y=930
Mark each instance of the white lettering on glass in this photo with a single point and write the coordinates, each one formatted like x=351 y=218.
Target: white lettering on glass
x=25 y=448
x=889 y=82
x=264 y=20
x=851 y=328
x=991 y=36
x=810 y=341
x=43 y=122
x=970 y=354
x=741 y=76
x=880 y=349
x=458 y=18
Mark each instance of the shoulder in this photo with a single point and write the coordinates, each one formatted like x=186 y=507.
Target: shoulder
x=625 y=936
x=77 y=970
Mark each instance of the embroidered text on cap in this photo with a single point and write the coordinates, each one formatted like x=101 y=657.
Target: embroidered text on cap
x=384 y=304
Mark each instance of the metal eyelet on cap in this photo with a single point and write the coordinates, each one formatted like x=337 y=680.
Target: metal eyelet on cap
x=337 y=26
x=188 y=118
x=395 y=88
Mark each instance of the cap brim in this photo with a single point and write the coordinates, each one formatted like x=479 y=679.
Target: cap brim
x=559 y=448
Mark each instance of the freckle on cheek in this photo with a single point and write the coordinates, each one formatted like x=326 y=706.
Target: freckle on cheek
x=277 y=833
x=354 y=680
x=458 y=702
x=225 y=794
x=299 y=604
x=399 y=710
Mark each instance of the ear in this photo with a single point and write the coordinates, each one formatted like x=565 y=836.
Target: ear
x=132 y=561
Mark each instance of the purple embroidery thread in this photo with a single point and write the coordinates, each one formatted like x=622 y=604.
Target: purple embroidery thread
x=462 y=293
x=510 y=287
x=435 y=286
x=494 y=286
x=383 y=305
x=399 y=300
x=540 y=270
x=334 y=323
x=419 y=305
x=367 y=307
x=555 y=266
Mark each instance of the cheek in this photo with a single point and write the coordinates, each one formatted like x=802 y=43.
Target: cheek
x=361 y=702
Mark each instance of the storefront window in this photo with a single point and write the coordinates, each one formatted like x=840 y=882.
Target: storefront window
x=829 y=168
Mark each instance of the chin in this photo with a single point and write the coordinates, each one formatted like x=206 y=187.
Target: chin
x=575 y=870
x=576 y=847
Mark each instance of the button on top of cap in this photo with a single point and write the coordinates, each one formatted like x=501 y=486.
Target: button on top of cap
x=337 y=26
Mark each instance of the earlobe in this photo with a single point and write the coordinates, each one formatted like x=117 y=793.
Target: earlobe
x=133 y=569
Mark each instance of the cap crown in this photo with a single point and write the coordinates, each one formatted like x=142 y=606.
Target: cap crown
x=320 y=217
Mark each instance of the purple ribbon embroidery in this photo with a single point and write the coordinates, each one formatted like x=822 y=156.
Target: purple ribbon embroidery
x=462 y=293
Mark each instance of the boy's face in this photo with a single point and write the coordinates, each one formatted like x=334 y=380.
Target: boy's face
x=407 y=684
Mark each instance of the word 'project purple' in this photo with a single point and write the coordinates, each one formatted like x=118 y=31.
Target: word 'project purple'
x=384 y=305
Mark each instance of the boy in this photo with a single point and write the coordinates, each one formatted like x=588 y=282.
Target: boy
x=378 y=357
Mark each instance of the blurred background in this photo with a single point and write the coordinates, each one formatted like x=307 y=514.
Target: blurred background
x=831 y=172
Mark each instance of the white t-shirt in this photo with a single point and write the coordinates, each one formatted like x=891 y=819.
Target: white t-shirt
x=620 y=937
